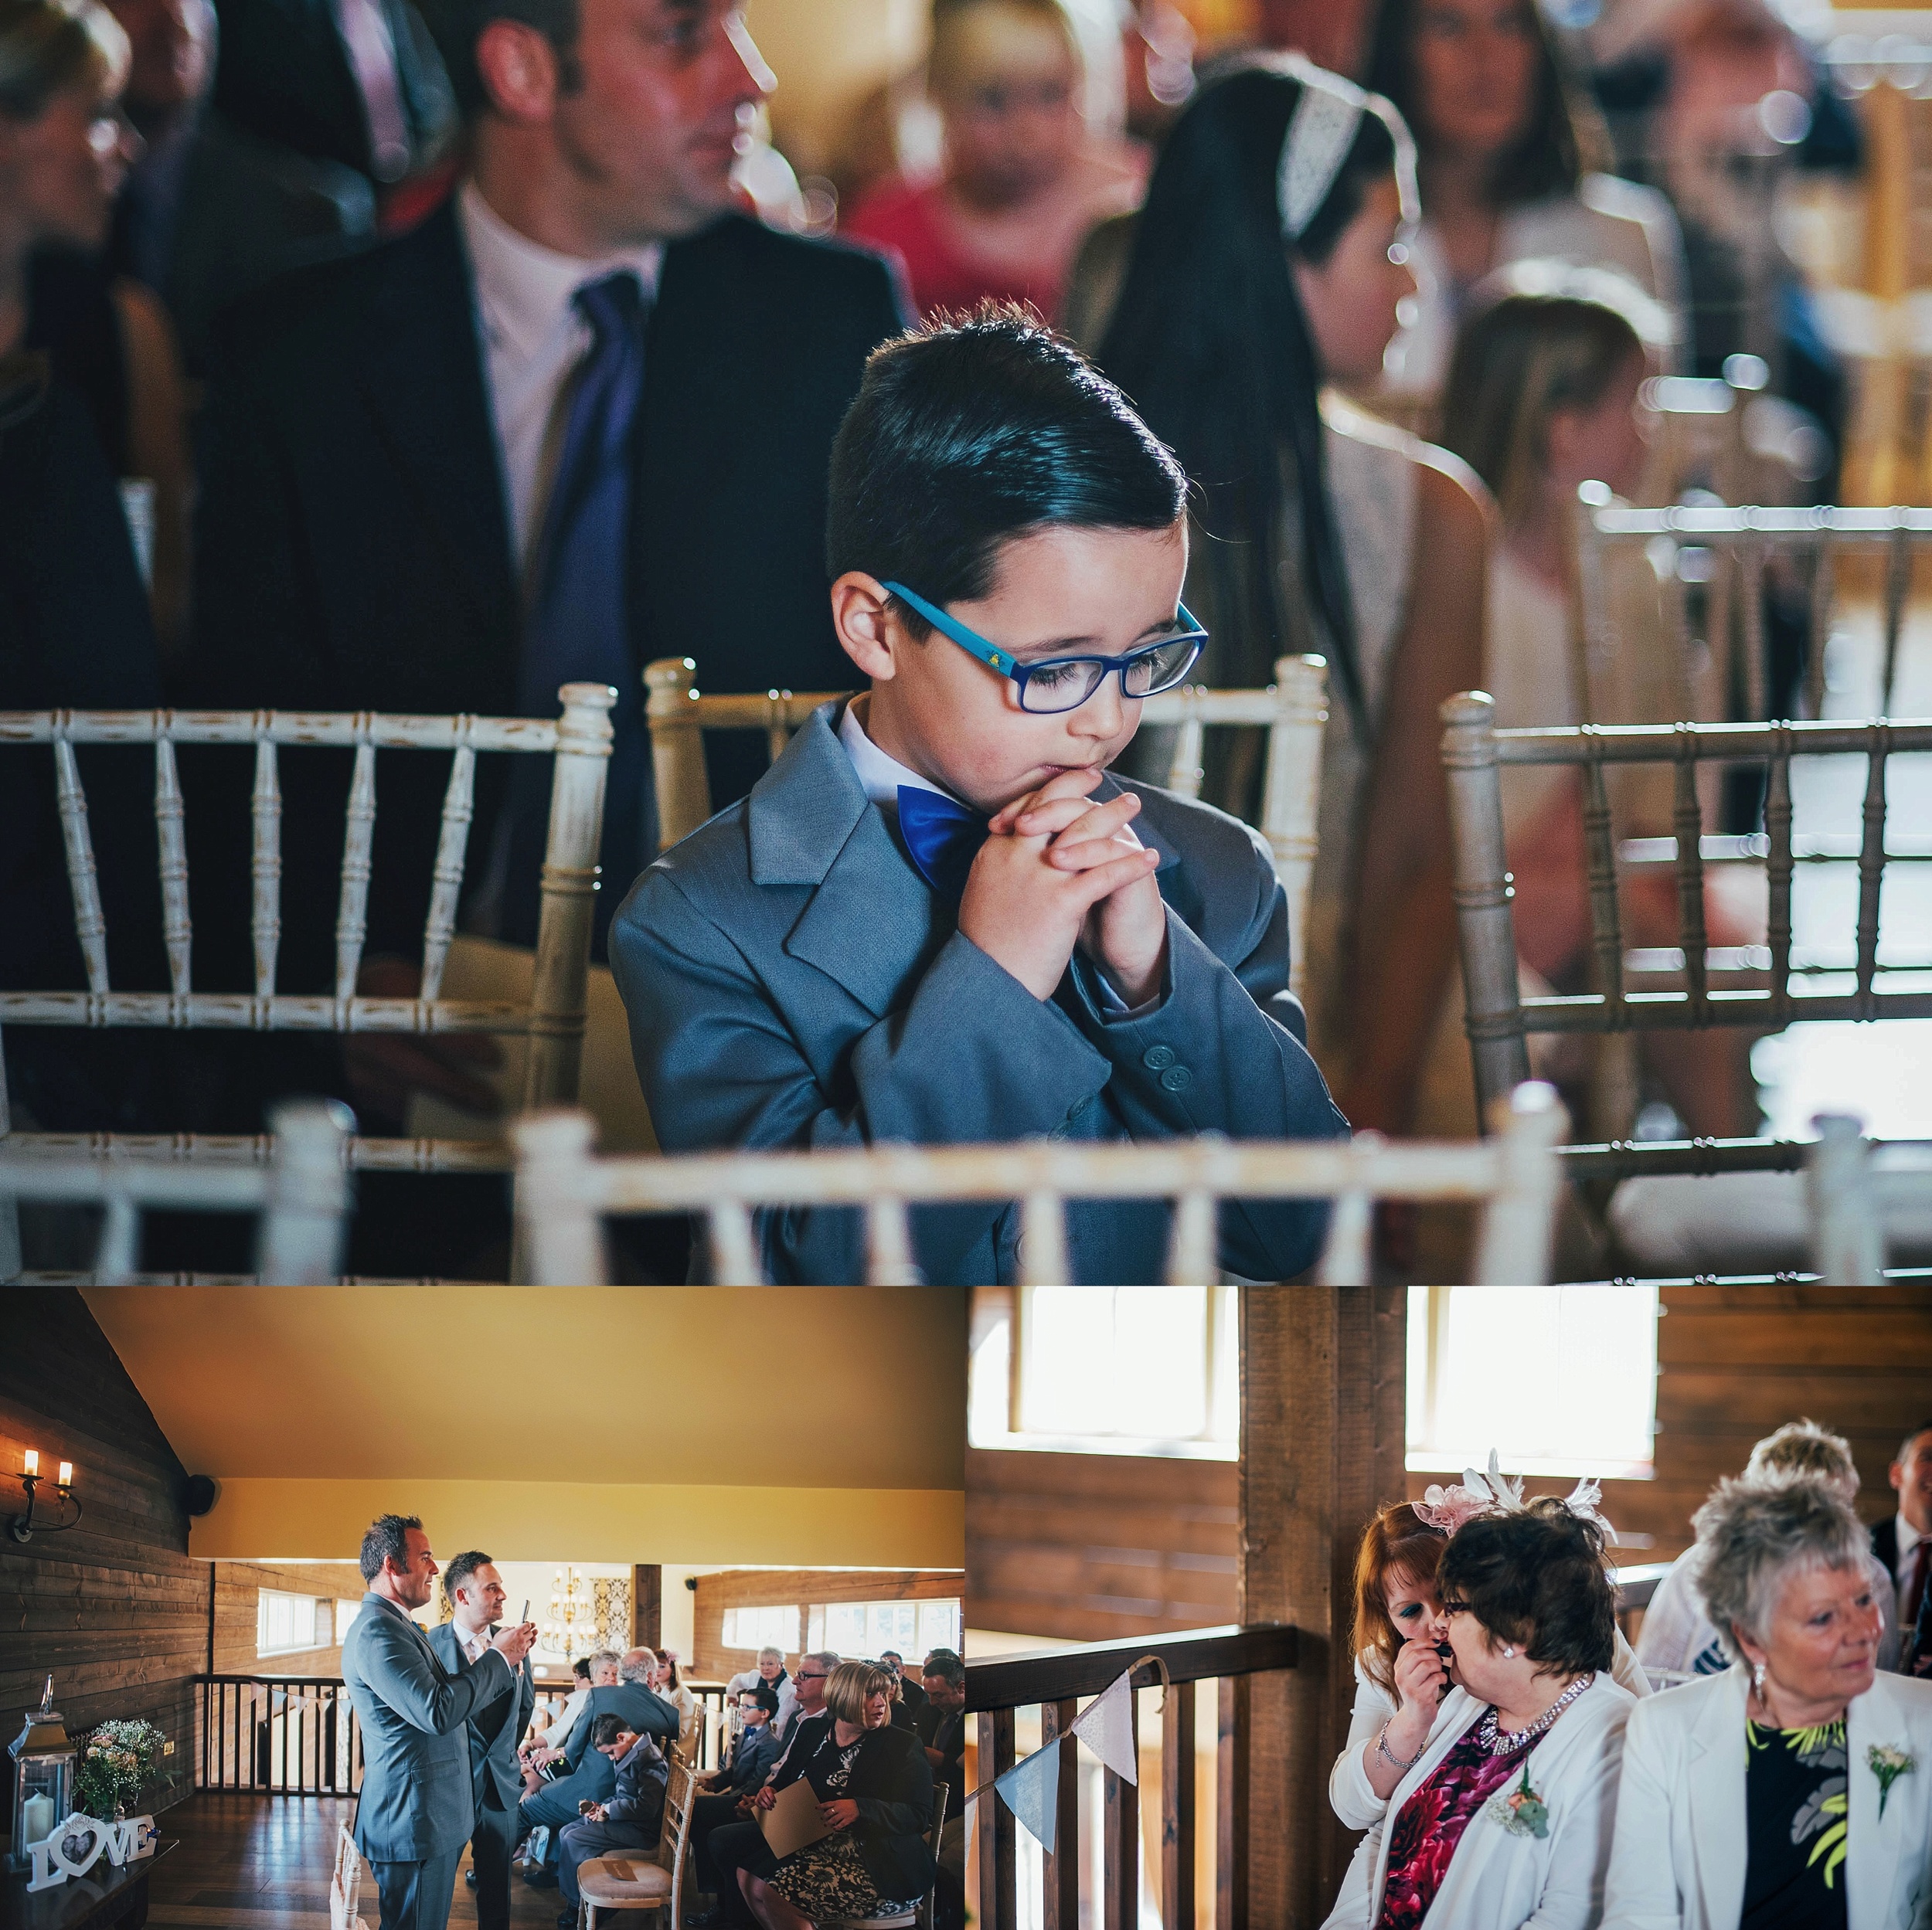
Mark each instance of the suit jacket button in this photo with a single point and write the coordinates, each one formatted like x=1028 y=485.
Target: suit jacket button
x=1177 y=1078
x=1157 y=1058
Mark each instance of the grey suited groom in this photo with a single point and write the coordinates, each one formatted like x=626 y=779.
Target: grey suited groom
x=415 y=1810
x=474 y=1591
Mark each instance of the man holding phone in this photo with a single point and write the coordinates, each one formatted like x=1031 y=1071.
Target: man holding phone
x=416 y=1809
x=474 y=1591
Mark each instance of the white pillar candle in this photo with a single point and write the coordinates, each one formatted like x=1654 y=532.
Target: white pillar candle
x=36 y=1820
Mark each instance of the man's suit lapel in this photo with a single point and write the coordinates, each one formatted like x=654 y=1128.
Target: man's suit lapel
x=871 y=921
x=423 y=380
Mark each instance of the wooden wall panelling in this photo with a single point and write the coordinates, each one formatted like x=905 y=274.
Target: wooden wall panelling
x=114 y=1608
x=238 y=1586
x=755 y=1588
x=1089 y=1547
x=646 y=1605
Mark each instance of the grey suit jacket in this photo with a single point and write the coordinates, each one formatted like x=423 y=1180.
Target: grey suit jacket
x=495 y=1727
x=791 y=981
x=641 y=1712
x=416 y=1801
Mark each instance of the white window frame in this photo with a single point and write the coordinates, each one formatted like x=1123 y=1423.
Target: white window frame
x=313 y=1603
x=791 y=1608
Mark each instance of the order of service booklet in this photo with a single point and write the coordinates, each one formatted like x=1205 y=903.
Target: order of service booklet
x=793 y=1820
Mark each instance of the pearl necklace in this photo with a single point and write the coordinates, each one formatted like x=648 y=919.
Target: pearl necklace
x=1498 y=1744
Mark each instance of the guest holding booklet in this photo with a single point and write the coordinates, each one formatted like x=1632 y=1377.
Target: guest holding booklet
x=937 y=918
x=875 y=1791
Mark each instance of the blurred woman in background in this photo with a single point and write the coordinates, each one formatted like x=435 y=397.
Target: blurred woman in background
x=1023 y=177
x=1511 y=157
x=1269 y=261
x=64 y=149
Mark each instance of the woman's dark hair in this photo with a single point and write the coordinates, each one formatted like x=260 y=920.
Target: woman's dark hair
x=581 y=1667
x=972 y=432
x=1535 y=1578
x=1209 y=340
x=1564 y=140
x=47 y=47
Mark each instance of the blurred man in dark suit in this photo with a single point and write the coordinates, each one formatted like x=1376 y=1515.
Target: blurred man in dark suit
x=1904 y=1542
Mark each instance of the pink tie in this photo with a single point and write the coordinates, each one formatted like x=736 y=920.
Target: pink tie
x=372 y=57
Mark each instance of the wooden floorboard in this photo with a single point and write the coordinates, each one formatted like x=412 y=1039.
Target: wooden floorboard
x=263 y=1862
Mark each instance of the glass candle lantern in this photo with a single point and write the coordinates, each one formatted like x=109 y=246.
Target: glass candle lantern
x=43 y=1763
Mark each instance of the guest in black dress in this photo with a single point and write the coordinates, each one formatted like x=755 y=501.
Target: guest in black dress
x=875 y=1788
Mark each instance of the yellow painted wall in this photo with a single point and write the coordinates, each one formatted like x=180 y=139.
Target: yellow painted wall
x=585 y=1521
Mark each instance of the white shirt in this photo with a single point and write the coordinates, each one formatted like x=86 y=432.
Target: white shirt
x=533 y=337
x=879 y=776
x=474 y=1646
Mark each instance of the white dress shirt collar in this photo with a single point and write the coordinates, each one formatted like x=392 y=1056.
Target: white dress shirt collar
x=880 y=776
x=1909 y=1539
x=473 y=1646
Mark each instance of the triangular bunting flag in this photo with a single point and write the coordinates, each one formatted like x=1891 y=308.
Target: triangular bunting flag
x=1107 y=1728
x=1031 y=1790
x=972 y=1816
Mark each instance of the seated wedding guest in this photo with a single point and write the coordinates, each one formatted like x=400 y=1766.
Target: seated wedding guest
x=1542 y=396
x=592 y=1671
x=1024 y=177
x=631 y=1817
x=64 y=150
x=1403 y=1670
x=937 y=918
x=171 y=61
x=1679 y=1638
x=378 y=494
x=875 y=1788
x=669 y=1683
x=1504 y=1820
x=727 y=1839
x=1792 y=1788
x=942 y=1728
x=1267 y=262
x=910 y=1693
x=1511 y=158
x=1902 y=1543
x=771 y=1670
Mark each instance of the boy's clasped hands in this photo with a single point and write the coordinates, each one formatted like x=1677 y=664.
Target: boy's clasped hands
x=1059 y=871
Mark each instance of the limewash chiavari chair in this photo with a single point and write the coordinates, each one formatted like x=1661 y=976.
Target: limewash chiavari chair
x=1760 y=991
x=564 y=1191
x=1730 y=552
x=1292 y=710
x=299 y=1188
x=579 y=742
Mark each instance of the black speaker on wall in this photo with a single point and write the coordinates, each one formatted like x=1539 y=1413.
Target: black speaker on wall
x=198 y=1494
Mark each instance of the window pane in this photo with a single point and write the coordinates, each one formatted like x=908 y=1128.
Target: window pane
x=346 y=1614
x=1127 y=1360
x=761 y=1627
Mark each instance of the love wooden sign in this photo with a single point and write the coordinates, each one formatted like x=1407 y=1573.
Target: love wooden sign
x=78 y=1844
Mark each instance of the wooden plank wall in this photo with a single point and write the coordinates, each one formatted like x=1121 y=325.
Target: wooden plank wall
x=1087 y=1548
x=759 y=1588
x=238 y=1587
x=114 y=1608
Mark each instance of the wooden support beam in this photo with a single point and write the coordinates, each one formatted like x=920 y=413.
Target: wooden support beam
x=1322 y=1386
x=998 y=1865
x=1177 y=1805
x=1121 y=1847
x=1231 y=1805
x=647 y=1606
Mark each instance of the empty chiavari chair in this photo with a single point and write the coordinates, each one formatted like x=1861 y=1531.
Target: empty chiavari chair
x=1764 y=988
x=552 y=1022
x=1292 y=710
x=298 y=1184
x=564 y=1191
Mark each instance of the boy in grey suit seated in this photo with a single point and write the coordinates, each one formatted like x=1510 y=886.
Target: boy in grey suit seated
x=938 y=918
x=631 y=1817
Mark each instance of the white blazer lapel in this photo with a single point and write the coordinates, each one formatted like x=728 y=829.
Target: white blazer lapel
x=1718 y=1827
x=1457 y=1715
x=1875 y=1843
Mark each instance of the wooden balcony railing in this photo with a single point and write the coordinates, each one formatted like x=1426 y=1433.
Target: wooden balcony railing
x=1053 y=1682
x=284 y=1735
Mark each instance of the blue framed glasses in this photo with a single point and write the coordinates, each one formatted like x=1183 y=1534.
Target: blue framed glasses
x=1064 y=683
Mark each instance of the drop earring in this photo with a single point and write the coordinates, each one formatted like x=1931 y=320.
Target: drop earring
x=1509 y=1652
x=1757 y=1679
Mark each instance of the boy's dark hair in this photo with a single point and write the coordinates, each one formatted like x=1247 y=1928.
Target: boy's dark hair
x=605 y=1729
x=1536 y=1577
x=387 y=1539
x=975 y=431
x=765 y=1696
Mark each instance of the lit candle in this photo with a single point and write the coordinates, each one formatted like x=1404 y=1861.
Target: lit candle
x=36 y=1820
x=67 y=1474
x=33 y=1460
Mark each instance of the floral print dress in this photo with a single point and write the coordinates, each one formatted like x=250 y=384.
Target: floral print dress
x=1797 y=1797
x=829 y=1878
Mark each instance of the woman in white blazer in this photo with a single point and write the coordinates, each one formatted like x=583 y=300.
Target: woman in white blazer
x=1503 y=1820
x=1797 y=1787
x=1401 y=1675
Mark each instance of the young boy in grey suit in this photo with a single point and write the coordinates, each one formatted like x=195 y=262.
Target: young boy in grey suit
x=938 y=918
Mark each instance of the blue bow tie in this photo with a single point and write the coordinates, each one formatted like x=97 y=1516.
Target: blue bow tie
x=942 y=836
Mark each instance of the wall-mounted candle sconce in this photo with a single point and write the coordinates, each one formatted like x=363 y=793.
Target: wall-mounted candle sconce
x=21 y=1527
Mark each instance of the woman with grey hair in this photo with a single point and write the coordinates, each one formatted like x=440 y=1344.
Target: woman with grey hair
x=1678 y=1638
x=1795 y=1789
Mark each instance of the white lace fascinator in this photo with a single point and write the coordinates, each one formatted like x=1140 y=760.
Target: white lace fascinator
x=1322 y=130
x=1492 y=1492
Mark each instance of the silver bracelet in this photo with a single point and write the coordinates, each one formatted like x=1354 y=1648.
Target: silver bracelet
x=1381 y=1750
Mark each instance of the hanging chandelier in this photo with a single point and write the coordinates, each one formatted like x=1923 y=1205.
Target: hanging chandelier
x=572 y=1629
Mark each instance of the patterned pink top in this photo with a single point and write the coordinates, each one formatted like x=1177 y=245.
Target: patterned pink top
x=1423 y=1838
